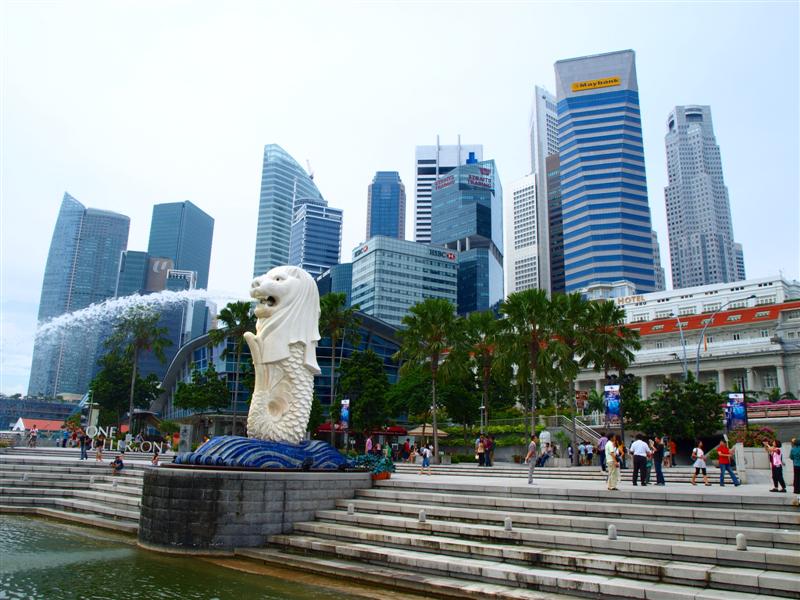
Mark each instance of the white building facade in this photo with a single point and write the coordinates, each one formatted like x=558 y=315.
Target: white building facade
x=522 y=258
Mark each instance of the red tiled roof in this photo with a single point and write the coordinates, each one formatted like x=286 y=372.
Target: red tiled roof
x=737 y=316
x=42 y=424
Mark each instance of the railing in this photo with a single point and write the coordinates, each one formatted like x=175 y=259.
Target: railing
x=773 y=412
x=584 y=432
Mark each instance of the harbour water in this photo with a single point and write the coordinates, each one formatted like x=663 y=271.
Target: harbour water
x=46 y=560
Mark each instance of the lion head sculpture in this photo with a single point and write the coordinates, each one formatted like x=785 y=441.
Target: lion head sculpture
x=287 y=312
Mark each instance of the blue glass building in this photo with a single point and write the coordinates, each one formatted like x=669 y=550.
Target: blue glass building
x=82 y=268
x=467 y=216
x=316 y=236
x=605 y=211
x=338 y=280
x=182 y=232
x=282 y=181
x=386 y=206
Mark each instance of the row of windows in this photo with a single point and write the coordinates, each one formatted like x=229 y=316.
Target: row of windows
x=596 y=160
x=604 y=186
x=602 y=138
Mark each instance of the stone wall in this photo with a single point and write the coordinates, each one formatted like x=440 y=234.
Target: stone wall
x=206 y=511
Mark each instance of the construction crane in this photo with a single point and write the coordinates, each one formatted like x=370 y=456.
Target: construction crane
x=310 y=170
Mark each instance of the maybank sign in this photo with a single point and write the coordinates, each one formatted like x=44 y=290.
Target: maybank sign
x=593 y=84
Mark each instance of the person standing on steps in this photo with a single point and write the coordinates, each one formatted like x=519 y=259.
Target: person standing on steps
x=530 y=458
x=640 y=451
x=794 y=455
x=426 y=460
x=699 y=463
x=83 y=440
x=725 y=464
x=776 y=462
x=658 y=459
x=601 y=450
x=612 y=462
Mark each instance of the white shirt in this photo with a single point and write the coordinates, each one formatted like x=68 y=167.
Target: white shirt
x=640 y=448
x=610 y=449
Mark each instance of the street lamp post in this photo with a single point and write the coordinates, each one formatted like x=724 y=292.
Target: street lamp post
x=683 y=343
x=703 y=331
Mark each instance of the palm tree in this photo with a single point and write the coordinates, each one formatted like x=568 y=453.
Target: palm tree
x=526 y=332
x=135 y=332
x=571 y=343
x=430 y=331
x=237 y=319
x=480 y=340
x=337 y=321
x=611 y=344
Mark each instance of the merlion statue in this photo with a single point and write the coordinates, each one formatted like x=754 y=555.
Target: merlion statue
x=284 y=354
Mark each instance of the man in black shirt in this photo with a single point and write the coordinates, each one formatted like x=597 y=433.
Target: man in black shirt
x=658 y=459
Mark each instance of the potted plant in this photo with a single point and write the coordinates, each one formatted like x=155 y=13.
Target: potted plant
x=381 y=466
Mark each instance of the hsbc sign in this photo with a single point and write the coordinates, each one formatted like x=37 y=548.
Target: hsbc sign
x=442 y=254
x=360 y=251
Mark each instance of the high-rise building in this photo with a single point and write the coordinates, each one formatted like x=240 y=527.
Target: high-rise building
x=282 y=181
x=182 y=232
x=521 y=234
x=316 y=236
x=337 y=280
x=544 y=143
x=467 y=216
x=386 y=206
x=661 y=280
x=605 y=212
x=431 y=163
x=390 y=276
x=555 y=226
x=82 y=268
x=740 y=273
x=701 y=245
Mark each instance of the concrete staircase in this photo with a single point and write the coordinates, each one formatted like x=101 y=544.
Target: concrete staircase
x=671 y=544
x=587 y=473
x=53 y=482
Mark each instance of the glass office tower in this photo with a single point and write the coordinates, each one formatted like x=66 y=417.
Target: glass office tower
x=82 y=268
x=467 y=216
x=316 y=237
x=386 y=206
x=605 y=211
x=282 y=180
x=182 y=232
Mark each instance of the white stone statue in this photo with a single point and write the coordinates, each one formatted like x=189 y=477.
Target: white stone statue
x=284 y=354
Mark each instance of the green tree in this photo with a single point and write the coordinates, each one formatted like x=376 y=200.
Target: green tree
x=429 y=331
x=411 y=395
x=237 y=319
x=480 y=341
x=134 y=333
x=459 y=394
x=337 y=322
x=168 y=428
x=315 y=417
x=682 y=409
x=526 y=335
x=207 y=391
x=610 y=344
x=363 y=380
x=110 y=387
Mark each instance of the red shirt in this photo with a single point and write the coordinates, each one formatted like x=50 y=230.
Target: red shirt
x=724 y=454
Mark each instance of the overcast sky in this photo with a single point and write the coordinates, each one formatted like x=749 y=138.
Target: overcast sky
x=129 y=104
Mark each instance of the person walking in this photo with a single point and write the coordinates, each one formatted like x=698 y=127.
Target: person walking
x=488 y=447
x=611 y=462
x=601 y=450
x=34 y=436
x=640 y=451
x=530 y=458
x=699 y=463
x=480 y=452
x=724 y=454
x=99 y=444
x=425 y=451
x=589 y=453
x=368 y=445
x=794 y=455
x=673 y=453
x=776 y=462
x=406 y=450
x=658 y=459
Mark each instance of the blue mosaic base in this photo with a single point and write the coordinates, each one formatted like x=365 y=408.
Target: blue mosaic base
x=236 y=451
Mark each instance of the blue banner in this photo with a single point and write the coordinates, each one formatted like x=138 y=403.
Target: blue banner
x=736 y=412
x=613 y=404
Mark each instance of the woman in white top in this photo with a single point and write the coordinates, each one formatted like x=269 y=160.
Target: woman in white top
x=699 y=463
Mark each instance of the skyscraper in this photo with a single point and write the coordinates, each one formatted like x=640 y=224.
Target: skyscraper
x=522 y=236
x=555 y=225
x=701 y=245
x=740 y=274
x=386 y=206
x=431 y=163
x=658 y=270
x=182 y=232
x=544 y=143
x=606 y=216
x=316 y=236
x=81 y=269
x=282 y=180
x=467 y=216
